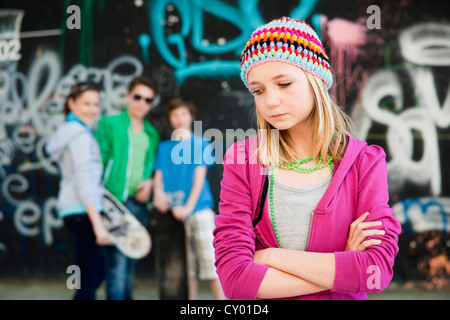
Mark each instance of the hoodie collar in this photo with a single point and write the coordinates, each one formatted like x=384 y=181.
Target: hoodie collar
x=73 y=117
x=354 y=148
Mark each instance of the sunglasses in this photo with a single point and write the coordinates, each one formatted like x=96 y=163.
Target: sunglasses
x=137 y=97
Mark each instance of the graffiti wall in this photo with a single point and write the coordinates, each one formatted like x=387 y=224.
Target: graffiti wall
x=391 y=63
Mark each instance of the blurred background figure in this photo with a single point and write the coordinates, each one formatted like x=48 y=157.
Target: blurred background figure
x=182 y=189
x=77 y=153
x=128 y=143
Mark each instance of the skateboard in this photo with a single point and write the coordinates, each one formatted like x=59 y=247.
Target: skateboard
x=127 y=233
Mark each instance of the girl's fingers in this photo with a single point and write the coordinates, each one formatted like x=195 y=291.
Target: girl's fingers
x=369 y=233
x=368 y=243
x=361 y=230
x=361 y=218
x=365 y=225
x=360 y=227
x=373 y=232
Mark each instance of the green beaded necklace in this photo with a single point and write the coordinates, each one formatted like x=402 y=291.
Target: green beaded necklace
x=296 y=167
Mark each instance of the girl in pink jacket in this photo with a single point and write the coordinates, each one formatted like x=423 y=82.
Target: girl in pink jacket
x=303 y=209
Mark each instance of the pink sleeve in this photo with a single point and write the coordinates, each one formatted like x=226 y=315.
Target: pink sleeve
x=370 y=270
x=234 y=238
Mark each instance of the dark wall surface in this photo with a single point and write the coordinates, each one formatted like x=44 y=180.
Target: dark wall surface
x=391 y=63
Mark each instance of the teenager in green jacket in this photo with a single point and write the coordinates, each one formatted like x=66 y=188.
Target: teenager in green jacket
x=128 y=143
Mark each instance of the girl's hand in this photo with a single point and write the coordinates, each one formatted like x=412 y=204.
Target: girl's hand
x=144 y=191
x=161 y=201
x=358 y=233
x=100 y=231
x=181 y=212
x=101 y=235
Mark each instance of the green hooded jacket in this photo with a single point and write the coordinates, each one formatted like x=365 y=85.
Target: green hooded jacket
x=113 y=136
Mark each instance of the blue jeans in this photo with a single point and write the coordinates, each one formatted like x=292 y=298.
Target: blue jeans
x=88 y=256
x=120 y=268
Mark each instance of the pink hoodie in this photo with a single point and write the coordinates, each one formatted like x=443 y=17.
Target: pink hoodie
x=359 y=184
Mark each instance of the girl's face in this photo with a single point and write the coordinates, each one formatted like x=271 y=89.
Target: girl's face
x=86 y=106
x=181 y=118
x=139 y=101
x=282 y=95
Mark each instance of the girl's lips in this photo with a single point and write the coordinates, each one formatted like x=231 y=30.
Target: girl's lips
x=279 y=115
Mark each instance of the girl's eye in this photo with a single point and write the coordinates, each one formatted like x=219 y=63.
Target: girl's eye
x=256 y=92
x=284 y=85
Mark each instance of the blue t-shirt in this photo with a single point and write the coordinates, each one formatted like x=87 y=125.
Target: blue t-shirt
x=177 y=160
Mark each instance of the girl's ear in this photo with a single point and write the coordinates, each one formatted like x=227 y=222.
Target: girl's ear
x=70 y=103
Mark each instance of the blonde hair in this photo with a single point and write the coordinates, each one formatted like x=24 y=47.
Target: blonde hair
x=329 y=122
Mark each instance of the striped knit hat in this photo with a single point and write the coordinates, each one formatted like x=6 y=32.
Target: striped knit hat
x=286 y=40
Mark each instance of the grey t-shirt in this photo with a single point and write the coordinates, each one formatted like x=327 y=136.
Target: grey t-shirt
x=293 y=209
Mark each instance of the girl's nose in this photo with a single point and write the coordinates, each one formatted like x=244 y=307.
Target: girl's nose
x=272 y=98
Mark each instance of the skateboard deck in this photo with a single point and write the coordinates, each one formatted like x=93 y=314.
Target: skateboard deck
x=127 y=233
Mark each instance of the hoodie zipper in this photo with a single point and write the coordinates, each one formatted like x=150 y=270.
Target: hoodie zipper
x=107 y=171
x=130 y=159
x=260 y=241
x=310 y=228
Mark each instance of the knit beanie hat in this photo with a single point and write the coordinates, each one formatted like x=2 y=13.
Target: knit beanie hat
x=286 y=40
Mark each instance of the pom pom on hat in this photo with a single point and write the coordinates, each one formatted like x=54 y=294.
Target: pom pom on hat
x=286 y=40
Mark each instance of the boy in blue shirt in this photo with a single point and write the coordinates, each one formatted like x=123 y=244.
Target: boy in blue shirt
x=181 y=186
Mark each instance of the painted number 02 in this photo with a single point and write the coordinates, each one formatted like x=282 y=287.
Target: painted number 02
x=10 y=50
